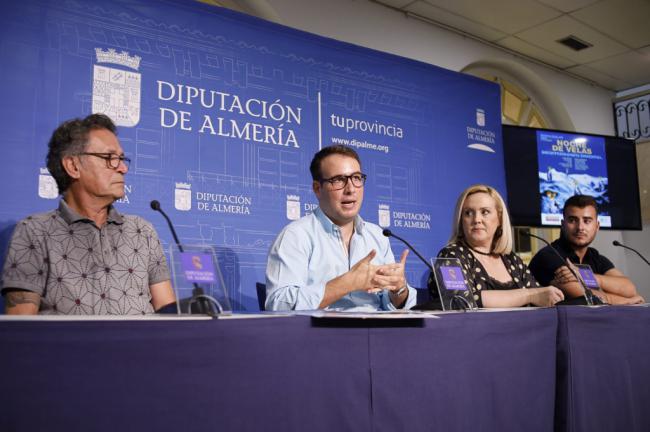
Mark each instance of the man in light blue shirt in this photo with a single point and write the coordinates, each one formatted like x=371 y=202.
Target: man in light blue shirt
x=333 y=259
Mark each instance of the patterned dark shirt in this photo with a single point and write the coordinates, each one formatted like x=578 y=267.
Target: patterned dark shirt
x=80 y=269
x=477 y=277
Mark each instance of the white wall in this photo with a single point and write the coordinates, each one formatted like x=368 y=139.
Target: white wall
x=638 y=270
x=374 y=26
x=371 y=25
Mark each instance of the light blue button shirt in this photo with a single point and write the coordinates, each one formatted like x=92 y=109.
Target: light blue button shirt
x=309 y=252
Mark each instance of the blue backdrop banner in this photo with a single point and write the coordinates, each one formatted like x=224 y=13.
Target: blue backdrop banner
x=221 y=114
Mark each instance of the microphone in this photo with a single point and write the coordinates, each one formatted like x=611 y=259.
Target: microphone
x=589 y=296
x=198 y=295
x=388 y=233
x=617 y=243
x=155 y=205
x=457 y=299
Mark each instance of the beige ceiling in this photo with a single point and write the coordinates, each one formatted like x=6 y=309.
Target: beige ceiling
x=618 y=30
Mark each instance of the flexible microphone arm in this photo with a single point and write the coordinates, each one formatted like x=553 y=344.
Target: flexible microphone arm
x=617 y=243
x=198 y=295
x=388 y=233
x=457 y=299
x=155 y=205
x=589 y=296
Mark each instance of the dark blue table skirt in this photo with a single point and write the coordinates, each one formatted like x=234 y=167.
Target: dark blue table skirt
x=260 y=374
x=603 y=369
x=478 y=371
x=491 y=371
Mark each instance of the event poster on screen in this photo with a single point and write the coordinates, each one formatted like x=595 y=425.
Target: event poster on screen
x=571 y=164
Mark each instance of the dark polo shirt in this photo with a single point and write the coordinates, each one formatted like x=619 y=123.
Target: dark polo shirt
x=545 y=262
x=79 y=268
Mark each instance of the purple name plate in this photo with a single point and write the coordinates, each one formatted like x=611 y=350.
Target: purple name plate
x=589 y=278
x=197 y=267
x=453 y=278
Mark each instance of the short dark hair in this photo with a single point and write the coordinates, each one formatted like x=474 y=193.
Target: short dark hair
x=580 y=201
x=70 y=138
x=314 y=167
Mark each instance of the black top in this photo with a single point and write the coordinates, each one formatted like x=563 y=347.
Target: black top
x=477 y=277
x=546 y=262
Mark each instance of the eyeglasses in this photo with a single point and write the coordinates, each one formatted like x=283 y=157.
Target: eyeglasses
x=341 y=181
x=112 y=160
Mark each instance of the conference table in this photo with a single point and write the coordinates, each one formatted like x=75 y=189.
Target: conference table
x=603 y=369
x=459 y=371
x=532 y=370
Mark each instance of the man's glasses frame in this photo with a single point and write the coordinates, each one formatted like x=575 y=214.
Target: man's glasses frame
x=112 y=160
x=341 y=181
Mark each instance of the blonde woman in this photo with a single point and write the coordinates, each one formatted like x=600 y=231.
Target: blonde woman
x=482 y=240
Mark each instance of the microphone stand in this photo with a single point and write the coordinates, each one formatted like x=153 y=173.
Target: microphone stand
x=456 y=299
x=388 y=233
x=617 y=243
x=589 y=296
x=203 y=301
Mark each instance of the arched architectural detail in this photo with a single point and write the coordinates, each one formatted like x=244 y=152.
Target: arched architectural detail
x=540 y=93
x=535 y=95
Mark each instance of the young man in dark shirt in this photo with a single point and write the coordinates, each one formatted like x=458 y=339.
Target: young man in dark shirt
x=579 y=228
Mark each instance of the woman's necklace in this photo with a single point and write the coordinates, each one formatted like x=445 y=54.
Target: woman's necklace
x=481 y=252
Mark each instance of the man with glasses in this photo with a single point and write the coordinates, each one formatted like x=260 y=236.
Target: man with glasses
x=332 y=258
x=85 y=258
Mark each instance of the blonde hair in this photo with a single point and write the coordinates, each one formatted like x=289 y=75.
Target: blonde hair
x=502 y=241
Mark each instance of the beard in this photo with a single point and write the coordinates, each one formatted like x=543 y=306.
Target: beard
x=584 y=241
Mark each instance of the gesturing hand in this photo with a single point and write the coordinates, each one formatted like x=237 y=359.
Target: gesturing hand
x=363 y=274
x=374 y=278
x=391 y=276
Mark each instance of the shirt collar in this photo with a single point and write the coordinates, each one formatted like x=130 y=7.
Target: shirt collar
x=330 y=226
x=70 y=216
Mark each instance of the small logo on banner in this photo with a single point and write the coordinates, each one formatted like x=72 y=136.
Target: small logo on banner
x=480 y=117
x=588 y=276
x=198 y=267
x=183 y=196
x=293 y=207
x=116 y=92
x=479 y=138
x=384 y=215
x=452 y=277
x=47 y=185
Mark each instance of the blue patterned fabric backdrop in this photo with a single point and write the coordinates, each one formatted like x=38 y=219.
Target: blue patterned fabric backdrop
x=221 y=114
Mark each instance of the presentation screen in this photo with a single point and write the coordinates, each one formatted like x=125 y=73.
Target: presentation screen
x=544 y=168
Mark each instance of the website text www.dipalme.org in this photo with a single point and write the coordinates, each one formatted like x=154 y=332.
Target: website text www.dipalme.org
x=361 y=144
